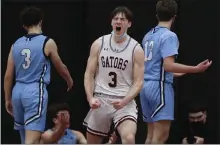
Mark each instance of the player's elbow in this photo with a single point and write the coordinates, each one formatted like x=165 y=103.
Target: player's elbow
x=62 y=69
x=46 y=139
x=88 y=76
x=8 y=77
x=168 y=67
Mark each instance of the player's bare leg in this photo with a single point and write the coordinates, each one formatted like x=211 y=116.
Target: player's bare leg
x=32 y=137
x=150 y=129
x=127 y=130
x=161 y=131
x=93 y=139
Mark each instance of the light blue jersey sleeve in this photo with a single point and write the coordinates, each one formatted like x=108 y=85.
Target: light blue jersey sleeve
x=169 y=46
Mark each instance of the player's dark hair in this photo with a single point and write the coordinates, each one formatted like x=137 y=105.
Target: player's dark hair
x=166 y=9
x=197 y=106
x=124 y=10
x=31 y=16
x=53 y=110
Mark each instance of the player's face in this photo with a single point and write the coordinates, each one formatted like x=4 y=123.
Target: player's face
x=197 y=117
x=120 y=24
x=56 y=119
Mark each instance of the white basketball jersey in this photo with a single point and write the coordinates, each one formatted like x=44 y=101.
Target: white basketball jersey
x=114 y=75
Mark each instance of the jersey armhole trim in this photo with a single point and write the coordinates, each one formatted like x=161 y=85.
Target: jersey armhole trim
x=133 y=52
x=45 y=42
x=101 y=45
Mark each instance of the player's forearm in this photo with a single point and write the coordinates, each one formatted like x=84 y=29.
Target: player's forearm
x=89 y=83
x=55 y=136
x=179 y=68
x=135 y=89
x=8 y=87
x=178 y=74
x=64 y=73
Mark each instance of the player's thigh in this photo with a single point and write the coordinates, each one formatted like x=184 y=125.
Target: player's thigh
x=35 y=99
x=149 y=98
x=125 y=119
x=18 y=111
x=164 y=110
x=98 y=121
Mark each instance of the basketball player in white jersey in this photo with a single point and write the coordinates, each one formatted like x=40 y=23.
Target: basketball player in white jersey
x=113 y=78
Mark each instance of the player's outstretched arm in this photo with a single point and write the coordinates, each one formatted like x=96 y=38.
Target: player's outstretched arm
x=51 y=50
x=80 y=137
x=8 y=80
x=178 y=74
x=171 y=66
x=169 y=48
x=138 y=74
x=91 y=68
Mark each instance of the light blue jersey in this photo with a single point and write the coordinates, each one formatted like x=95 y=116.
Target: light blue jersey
x=158 y=44
x=31 y=64
x=68 y=138
x=157 y=95
x=29 y=95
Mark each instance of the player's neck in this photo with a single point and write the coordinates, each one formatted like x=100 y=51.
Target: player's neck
x=34 y=30
x=165 y=24
x=118 y=40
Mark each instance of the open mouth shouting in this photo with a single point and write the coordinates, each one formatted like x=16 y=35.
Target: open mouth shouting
x=118 y=28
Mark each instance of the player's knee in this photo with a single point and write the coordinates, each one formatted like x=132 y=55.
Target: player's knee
x=128 y=138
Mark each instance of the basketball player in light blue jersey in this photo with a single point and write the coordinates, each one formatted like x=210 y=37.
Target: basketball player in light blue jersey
x=29 y=61
x=59 y=122
x=157 y=96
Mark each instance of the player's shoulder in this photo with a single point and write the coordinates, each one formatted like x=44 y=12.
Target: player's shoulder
x=105 y=37
x=18 y=40
x=100 y=40
x=168 y=34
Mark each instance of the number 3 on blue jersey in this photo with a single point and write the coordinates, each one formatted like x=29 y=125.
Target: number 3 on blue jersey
x=148 y=47
x=27 y=53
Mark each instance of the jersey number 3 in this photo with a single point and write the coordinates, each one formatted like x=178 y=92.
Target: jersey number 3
x=113 y=76
x=27 y=53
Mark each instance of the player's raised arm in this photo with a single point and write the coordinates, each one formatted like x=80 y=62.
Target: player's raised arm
x=138 y=74
x=8 y=80
x=51 y=50
x=91 y=68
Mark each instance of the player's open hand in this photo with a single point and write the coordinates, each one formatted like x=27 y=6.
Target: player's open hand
x=8 y=106
x=118 y=104
x=201 y=67
x=94 y=103
x=63 y=119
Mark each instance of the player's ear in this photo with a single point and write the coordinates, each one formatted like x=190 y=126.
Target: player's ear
x=40 y=23
x=129 y=24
